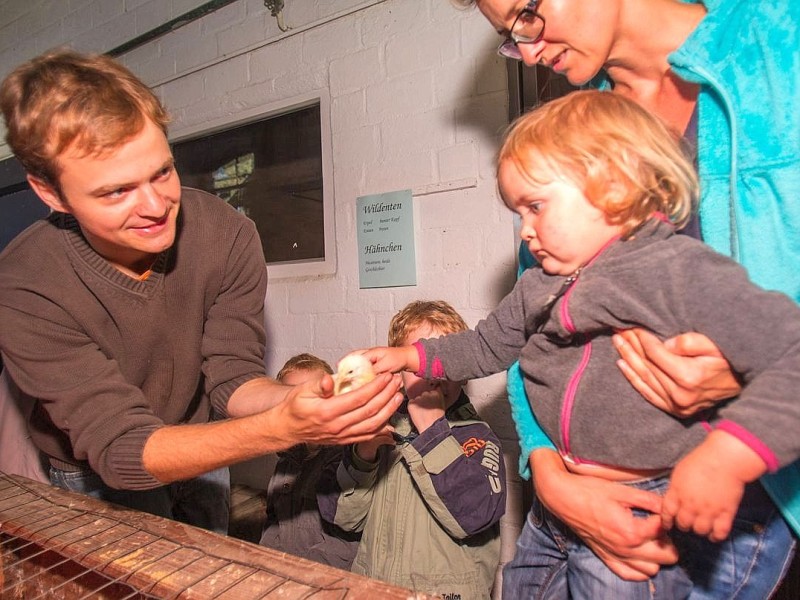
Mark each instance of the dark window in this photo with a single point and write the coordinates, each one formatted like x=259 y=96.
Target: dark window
x=530 y=86
x=270 y=170
x=19 y=205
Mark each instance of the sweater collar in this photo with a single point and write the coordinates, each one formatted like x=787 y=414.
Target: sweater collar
x=83 y=255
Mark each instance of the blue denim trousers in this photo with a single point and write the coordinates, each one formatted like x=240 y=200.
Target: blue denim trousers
x=553 y=563
x=203 y=501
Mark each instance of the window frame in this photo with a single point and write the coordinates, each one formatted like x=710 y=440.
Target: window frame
x=300 y=268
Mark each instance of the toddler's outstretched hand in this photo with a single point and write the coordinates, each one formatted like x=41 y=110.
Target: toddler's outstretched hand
x=707 y=485
x=393 y=359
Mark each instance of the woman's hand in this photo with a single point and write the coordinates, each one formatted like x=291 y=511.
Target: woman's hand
x=681 y=376
x=601 y=513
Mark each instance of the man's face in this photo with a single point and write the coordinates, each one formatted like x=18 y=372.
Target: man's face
x=126 y=201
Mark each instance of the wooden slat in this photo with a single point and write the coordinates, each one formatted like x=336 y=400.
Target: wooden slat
x=79 y=546
x=197 y=570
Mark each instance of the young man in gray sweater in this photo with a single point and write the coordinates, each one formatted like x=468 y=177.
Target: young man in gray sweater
x=134 y=312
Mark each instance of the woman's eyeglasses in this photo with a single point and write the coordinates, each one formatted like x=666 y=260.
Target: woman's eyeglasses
x=527 y=28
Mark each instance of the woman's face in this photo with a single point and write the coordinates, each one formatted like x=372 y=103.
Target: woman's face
x=578 y=35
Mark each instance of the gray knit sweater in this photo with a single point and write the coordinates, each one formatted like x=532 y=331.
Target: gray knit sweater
x=110 y=359
x=669 y=284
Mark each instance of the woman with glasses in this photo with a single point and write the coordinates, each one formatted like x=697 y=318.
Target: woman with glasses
x=725 y=75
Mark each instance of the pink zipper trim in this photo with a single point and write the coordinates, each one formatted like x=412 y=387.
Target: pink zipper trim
x=575 y=378
x=569 y=400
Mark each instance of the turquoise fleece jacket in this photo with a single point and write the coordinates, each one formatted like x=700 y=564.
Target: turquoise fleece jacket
x=744 y=54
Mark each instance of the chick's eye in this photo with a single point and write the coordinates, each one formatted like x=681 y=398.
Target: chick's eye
x=535 y=207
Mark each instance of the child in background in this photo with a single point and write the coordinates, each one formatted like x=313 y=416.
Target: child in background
x=428 y=501
x=293 y=523
x=600 y=186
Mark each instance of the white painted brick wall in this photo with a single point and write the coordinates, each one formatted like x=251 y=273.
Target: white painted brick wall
x=418 y=100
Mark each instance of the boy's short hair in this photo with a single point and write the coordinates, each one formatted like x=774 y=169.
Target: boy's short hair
x=436 y=313
x=303 y=362
x=625 y=160
x=63 y=98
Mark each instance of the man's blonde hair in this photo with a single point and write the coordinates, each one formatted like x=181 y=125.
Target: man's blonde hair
x=625 y=160
x=437 y=314
x=64 y=99
x=303 y=362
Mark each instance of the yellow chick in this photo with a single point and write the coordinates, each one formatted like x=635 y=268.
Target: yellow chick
x=353 y=371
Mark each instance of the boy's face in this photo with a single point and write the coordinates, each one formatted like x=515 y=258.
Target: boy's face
x=414 y=385
x=562 y=229
x=126 y=201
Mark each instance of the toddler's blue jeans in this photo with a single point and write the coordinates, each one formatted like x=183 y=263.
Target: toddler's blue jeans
x=553 y=563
